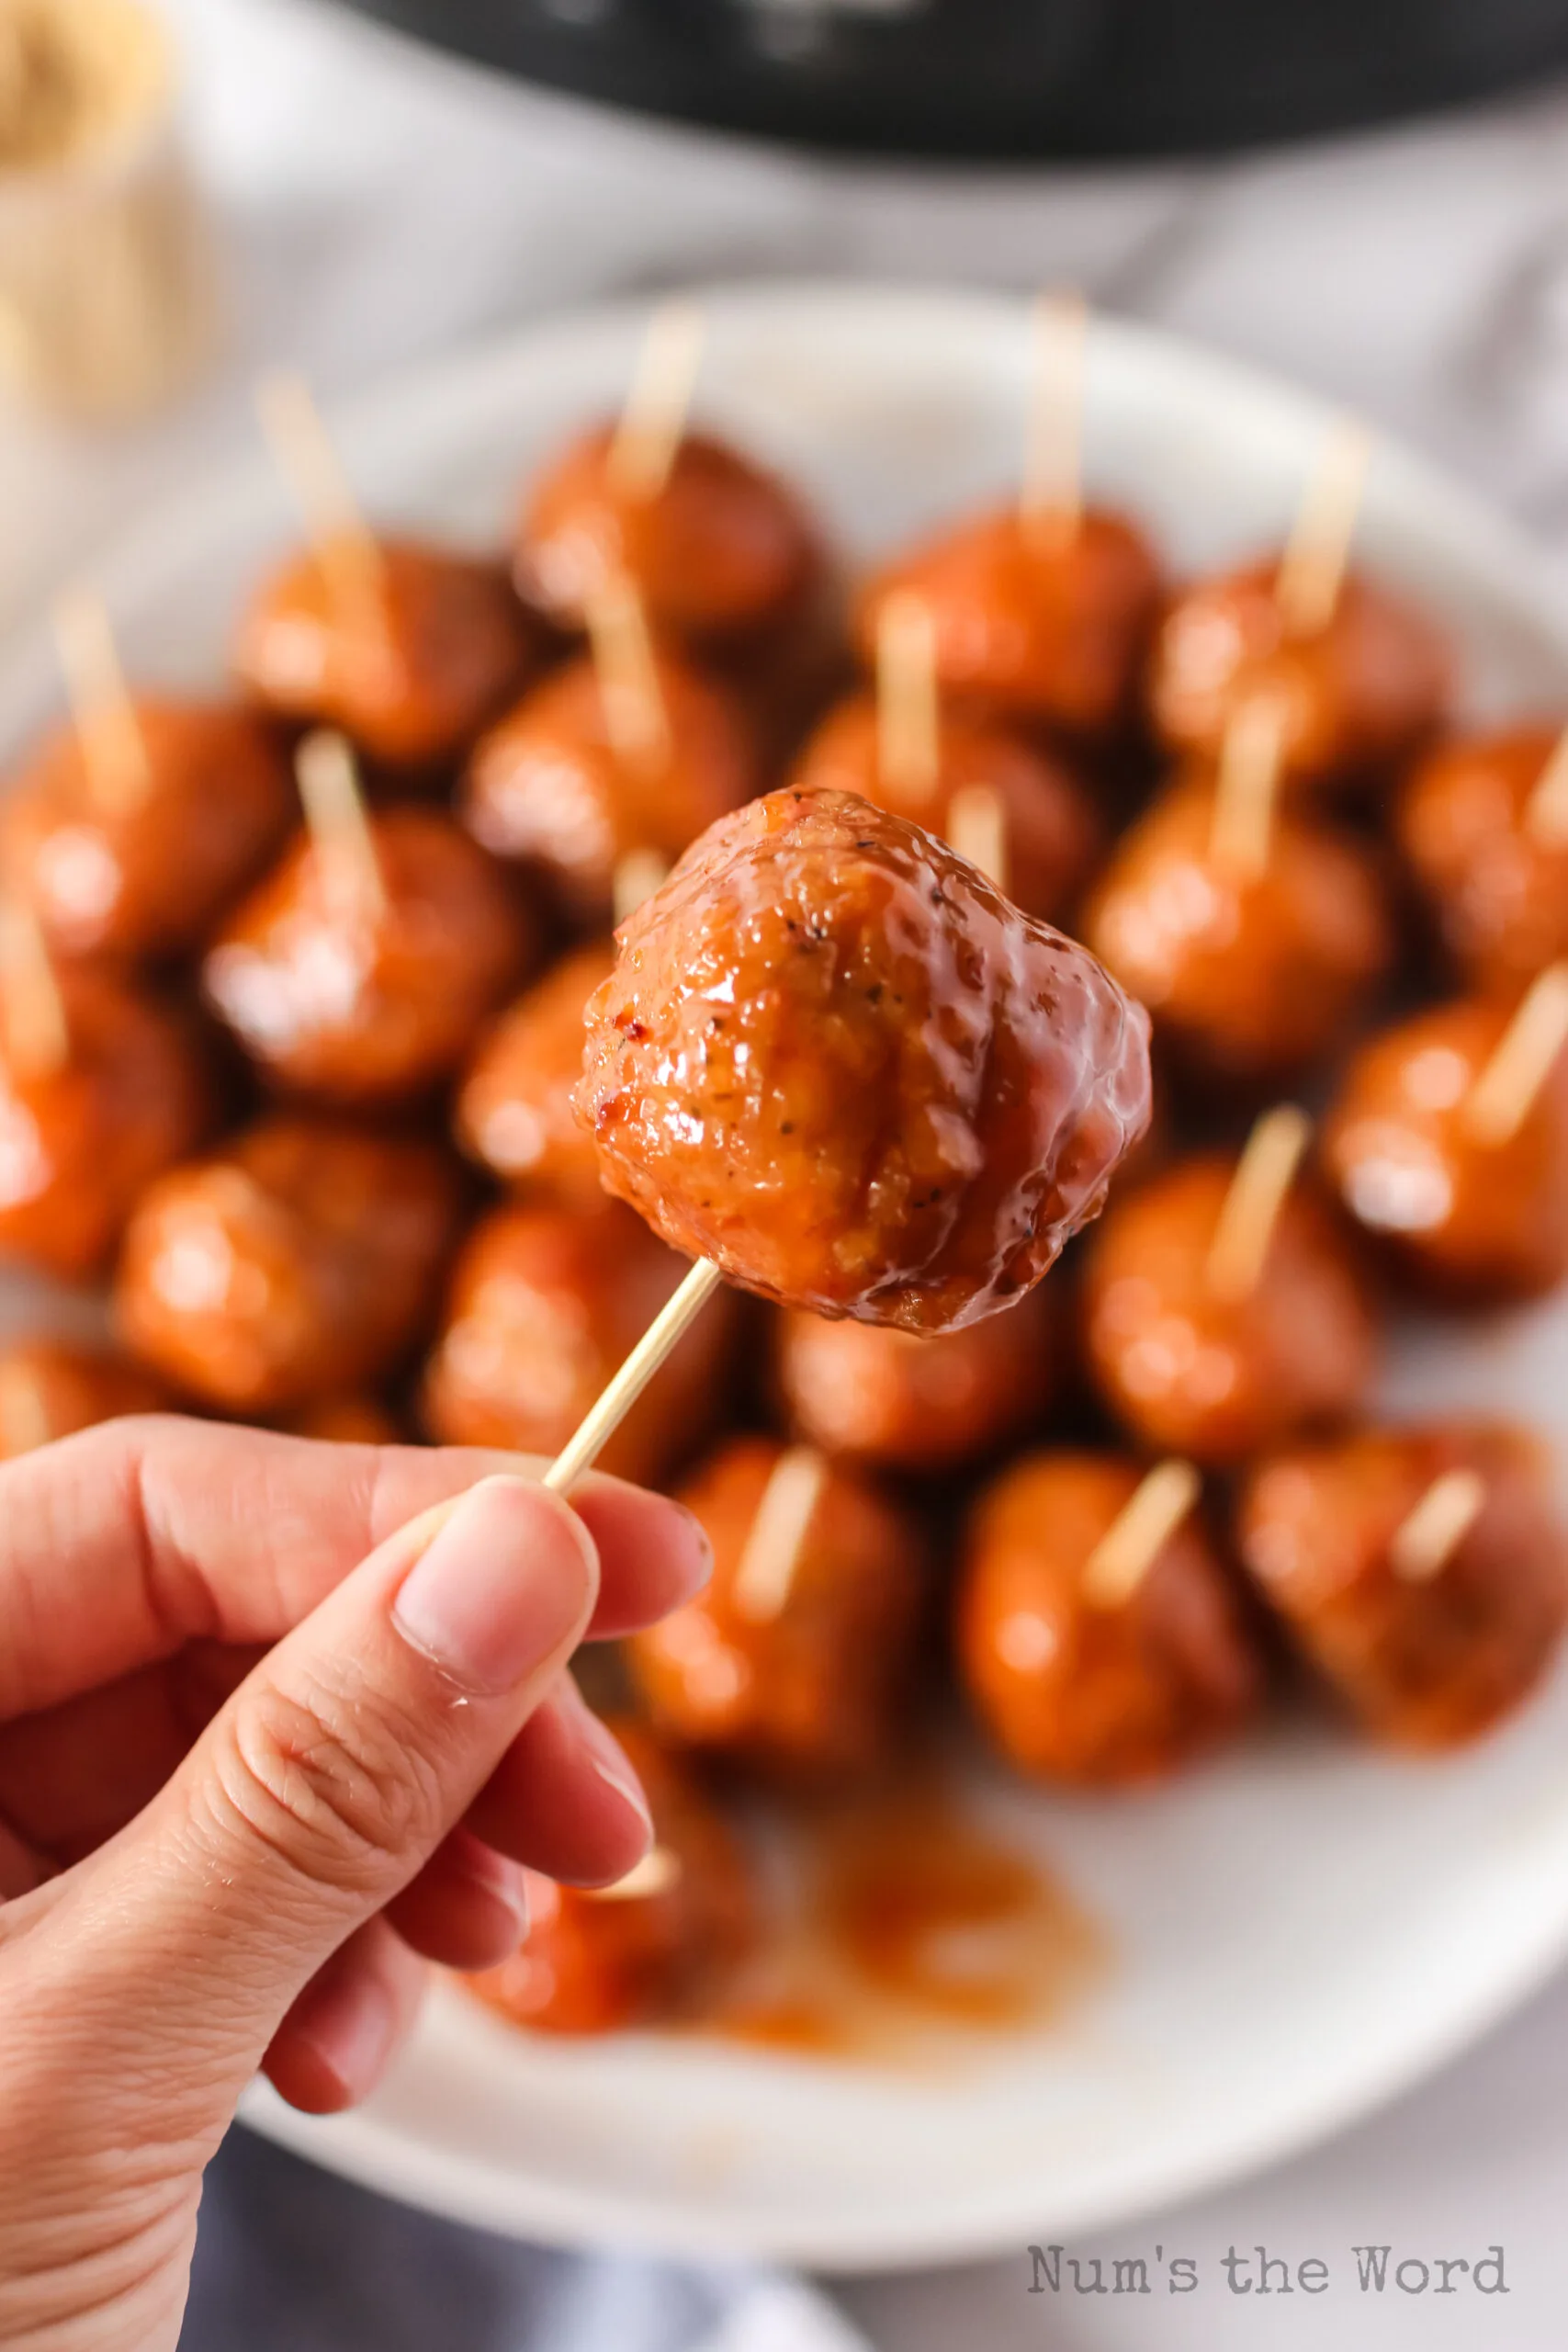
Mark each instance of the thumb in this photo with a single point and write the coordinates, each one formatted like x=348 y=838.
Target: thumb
x=333 y=1774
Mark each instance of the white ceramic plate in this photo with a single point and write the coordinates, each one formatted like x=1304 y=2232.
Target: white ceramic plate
x=1298 y=1932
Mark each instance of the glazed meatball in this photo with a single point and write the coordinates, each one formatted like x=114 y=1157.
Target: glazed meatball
x=303 y=1259
x=1251 y=977
x=1428 y=1642
x=1461 y=1211
x=411 y=659
x=1490 y=856
x=1189 y=1368
x=546 y=1303
x=50 y=1389
x=515 y=1113
x=1051 y=833
x=81 y=1137
x=663 y=1943
x=721 y=549
x=371 y=1004
x=832 y=1060
x=1035 y=622
x=903 y=1400
x=798 y=1659
x=1361 y=693
x=1075 y=1685
x=548 y=788
x=147 y=873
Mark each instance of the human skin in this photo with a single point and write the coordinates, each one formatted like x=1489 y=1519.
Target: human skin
x=280 y=1723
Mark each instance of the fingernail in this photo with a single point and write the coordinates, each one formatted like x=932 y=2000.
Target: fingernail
x=610 y=1764
x=502 y=1879
x=504 y=1585
x=349 y=2023
x=702 y=1550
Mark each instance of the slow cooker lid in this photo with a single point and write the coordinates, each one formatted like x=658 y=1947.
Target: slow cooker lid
x=1010 y=78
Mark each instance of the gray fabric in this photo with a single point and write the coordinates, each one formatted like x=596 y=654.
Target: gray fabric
x=291 y=2259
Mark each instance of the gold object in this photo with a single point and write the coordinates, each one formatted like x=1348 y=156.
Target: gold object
x=107 y=270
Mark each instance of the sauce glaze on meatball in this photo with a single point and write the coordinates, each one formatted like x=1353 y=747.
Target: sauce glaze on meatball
x=1426 y=1660
x=1195 y=1371
x=1072 y=1689
x=148 y=875
x=721 y=548
x=1358 y=694
x=1041 y=626
x=412 y=667
x=833 y=1060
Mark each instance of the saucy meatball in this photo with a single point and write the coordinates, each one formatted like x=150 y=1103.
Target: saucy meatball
x=798 y=1659
x=1428 y=1642
x=1040 y=624
x=1076 y=1685
x=718 y=551
x=904 y=1400
x=50 y=1389
x=661 y=1944
x=410 y=656
x=546 y=1303
x=1250 y=976
x=147 y=875
x=1360 y=693
x=1191 y=1368
x=81 y=1139
x=1052 y=835
x=302 y=1259
x=548 y=787
x=371 y=1003
x=1460 y=1210
x=515 y=1113
x=1490 y=857
x=835 y=1062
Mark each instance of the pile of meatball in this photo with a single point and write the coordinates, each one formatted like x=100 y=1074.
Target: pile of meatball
x=335 y=1164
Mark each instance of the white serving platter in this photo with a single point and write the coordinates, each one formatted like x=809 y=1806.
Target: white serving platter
x=1296 y=1933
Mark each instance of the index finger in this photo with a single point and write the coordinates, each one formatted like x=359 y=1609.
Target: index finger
x=119 y=1545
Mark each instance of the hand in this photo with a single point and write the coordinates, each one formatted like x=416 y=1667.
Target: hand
x=248 y=1788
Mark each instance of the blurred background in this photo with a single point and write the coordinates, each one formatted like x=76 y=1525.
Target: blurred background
x=1370 y=196
x=373 y=201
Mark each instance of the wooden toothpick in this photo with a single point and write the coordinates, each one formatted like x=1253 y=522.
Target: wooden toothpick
x=582 y=1449
x=302 y=450
x=1139 y=1534
x=909 y=726
x=773 y=1547
x=1546 y=812
x=24 y=1418
x=636 y=877
x=977 y=829
x=1051 y=504
x=657 y=1873
x=654 y=419
x=37 y=1033
x=1250 y=1211
x=1506 y=1091
x=107 y=731
x=1427 y=1538
x=1317 y=554
x=1241 y=835
x=339 y=824
x=635 y=718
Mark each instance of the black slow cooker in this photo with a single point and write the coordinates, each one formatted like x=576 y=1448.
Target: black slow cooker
x=1012 y=78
